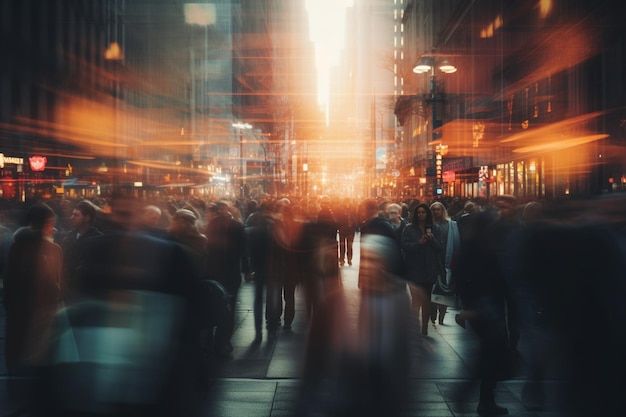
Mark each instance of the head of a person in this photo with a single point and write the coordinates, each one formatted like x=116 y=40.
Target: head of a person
x=223 y=208
x=422 y=214
x=193 y=209
x=283 y=208
x=394 y=213
x=41 y=218
x=324 y=202
x=440 y=213
x=505 y=205
x=405 y=213
x=532 y=211
x=212 y=211
x=252 y=206
x=470 y=207
x=126 y=210
x=151 y=215
x=382 y=207
x=184 y=221
x=83 y=215
x=368 y=209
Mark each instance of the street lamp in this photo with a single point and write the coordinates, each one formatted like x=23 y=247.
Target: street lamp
x=427 y=63
x=241 y=126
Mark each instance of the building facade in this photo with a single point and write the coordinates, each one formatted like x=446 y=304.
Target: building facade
x=534 y=106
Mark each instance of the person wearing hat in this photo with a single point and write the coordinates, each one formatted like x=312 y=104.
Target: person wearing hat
x=184 y=231
x=227 y=259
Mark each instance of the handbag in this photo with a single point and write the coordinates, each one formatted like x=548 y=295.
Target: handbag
x=439 y=295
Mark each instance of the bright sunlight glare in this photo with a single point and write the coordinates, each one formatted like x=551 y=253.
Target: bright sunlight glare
x=327 y=20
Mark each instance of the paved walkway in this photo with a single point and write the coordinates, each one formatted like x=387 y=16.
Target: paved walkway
x=262 y=380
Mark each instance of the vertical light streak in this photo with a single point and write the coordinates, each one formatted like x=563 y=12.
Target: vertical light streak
x=327 y=32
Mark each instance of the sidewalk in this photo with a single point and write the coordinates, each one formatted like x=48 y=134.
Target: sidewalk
x=262 y=380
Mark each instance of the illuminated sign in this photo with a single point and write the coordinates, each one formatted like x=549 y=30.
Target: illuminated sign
x=483 y=173
x=37 y=163
x=449 y=176
x=10 y=160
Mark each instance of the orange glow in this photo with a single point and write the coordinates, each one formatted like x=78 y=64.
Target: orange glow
x=545 y=7
x=561 y=144
x=531 y=90
x=114 y=52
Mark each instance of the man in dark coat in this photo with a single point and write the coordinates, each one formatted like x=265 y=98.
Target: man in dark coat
x=32 y=290
x=73 y=244
x=347 y=223
x=227 y=259
x=373 y=223
x=135 y=319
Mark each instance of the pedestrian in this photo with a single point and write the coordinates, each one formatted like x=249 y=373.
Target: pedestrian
x=504 y=234
x=482 y=290
x=380 y=378
x=372 y=222
x=394 y=214
x=183 y=229
x=346 y=217
x=32 y=291
x=227 y=260
x=451 y=245
x=289 y=244
x=151 y=221
x=327 y=230
x=82 y=221
x=422 y=245
x=135 y=327
x=257 y=226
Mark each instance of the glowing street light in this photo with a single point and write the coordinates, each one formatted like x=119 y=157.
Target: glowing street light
x=426 y=64
x=241 y=126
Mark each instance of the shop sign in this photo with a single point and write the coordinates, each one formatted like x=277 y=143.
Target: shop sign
x=483 y=174
x=457 y=164
x=37 y=163
x=449 y=176
x=10 y=160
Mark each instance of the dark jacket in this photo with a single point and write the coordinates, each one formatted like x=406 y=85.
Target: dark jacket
x=382 y=226
x=422 y=261
x=346 y=220
x=32 y=291
x=227 y=253
x=73 y=252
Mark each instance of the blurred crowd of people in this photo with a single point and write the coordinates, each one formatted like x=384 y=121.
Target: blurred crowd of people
x=120 y=300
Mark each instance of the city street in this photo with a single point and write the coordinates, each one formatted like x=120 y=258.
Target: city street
x=264 y=379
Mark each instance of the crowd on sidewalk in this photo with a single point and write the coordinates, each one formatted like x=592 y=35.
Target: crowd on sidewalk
x=133 y=295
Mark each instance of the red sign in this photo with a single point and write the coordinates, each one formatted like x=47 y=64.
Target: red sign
x=37 y=163
x=449 y=176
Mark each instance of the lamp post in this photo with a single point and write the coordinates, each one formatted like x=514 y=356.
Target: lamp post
x=426 y=63
x=241 y=126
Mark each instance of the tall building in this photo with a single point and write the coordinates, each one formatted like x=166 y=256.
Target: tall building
x=148 y=93
x=362 y=97
x=533 y=108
